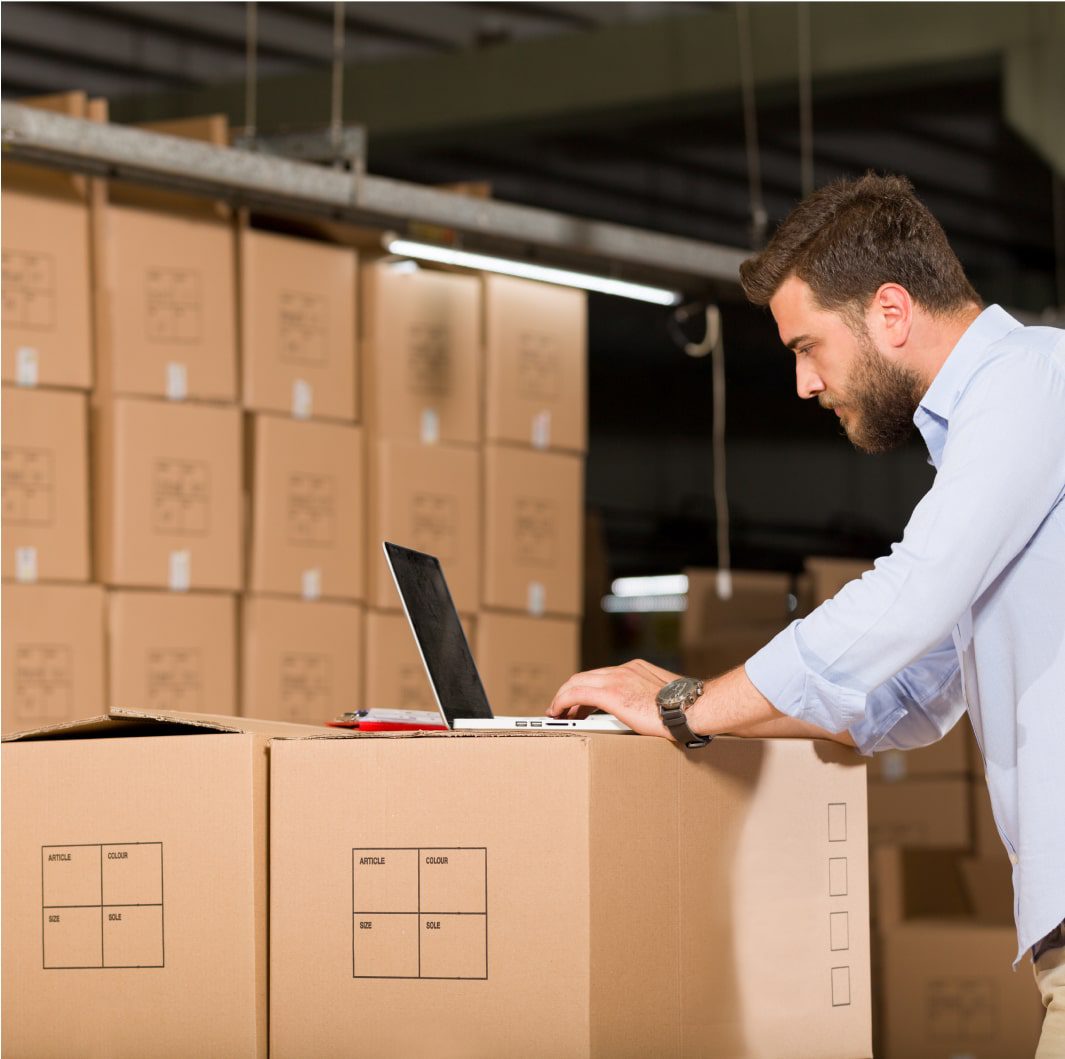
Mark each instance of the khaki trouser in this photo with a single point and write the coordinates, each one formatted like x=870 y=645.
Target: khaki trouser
x=1050 y=977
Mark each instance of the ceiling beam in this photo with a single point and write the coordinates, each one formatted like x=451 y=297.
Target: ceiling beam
x=622 y=72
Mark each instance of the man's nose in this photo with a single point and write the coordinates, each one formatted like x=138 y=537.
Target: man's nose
x=807 y=383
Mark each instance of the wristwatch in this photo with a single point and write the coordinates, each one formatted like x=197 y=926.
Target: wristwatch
x=673 y=700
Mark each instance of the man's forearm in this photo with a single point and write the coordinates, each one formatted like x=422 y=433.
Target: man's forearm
x=732 y=705
x=729 y=703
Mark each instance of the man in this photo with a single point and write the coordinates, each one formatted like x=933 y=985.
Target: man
x=968 y=610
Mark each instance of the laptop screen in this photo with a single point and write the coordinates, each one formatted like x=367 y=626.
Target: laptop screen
x=439 y=634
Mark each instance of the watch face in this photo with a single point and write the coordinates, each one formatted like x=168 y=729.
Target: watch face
x=676 y=692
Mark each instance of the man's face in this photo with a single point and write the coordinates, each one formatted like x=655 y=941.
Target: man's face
x=839 y=363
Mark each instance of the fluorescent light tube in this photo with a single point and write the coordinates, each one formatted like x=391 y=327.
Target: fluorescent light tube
x=445 y=255
x=661 y=585
x=667 y=604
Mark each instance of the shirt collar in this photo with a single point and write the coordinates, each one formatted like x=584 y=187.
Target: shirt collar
x=991 y=325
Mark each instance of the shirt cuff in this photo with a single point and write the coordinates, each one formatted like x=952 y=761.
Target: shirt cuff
x=780 y=672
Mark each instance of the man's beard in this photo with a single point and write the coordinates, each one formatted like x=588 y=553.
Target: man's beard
x=880 y=399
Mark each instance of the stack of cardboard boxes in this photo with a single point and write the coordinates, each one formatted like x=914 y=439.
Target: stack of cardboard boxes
x=167 y=447
x=943 y=934
x=302 y=623
x=421 y=356
x=535 y=429
x=53 y=618
x=240 y=420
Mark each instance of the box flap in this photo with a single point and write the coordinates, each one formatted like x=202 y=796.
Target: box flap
x=127 y=720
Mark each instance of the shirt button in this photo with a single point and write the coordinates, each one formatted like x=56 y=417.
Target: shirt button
x=1014 y=858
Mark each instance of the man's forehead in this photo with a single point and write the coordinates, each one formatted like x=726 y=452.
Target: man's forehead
x=793 y=309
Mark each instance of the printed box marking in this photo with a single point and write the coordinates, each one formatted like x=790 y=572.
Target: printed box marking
x=419 y=913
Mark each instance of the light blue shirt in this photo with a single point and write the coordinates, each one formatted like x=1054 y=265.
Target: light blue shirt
x=969 y=607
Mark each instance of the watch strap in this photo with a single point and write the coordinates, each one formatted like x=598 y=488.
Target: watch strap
x=677 y=723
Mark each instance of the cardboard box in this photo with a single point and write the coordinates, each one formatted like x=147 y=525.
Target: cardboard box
x=759 y=598
x=46 y=485
x=425 y=497
x=42 y=180
x=826 y=576
x=948 y=985
x=307 y=509
x=395 y=673
x=533 y=531
x=536 y=352
x=47 y=324
x=170 y=299
x=297 y=326
x=302 y=660
x=421 y=354
x=631 y=891
x=135 y=885
x=53 y=651
x=212 y=129
x=726 y=649
x=523 y=661
x=948 y=757
x=169 y=501
x=173 y=651
x=920 y=812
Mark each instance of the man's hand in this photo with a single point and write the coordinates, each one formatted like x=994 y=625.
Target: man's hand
x=628 y=692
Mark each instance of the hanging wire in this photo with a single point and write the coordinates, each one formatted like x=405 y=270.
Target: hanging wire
x=759 y=217
x=337 y=100
x=712 y=343
x=251 y=85
x=806 y=116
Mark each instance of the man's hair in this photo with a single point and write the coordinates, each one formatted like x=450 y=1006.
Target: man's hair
x=848 y=238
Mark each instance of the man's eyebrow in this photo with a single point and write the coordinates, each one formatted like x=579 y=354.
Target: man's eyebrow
x=798 y=341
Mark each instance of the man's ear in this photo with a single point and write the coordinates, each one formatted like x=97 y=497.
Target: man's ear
x=890 y=315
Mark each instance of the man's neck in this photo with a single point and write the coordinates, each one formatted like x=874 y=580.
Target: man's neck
x=936 y=337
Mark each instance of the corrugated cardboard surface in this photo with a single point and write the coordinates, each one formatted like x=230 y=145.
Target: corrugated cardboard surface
x=168 y=494
x=573 y=895
x=920 y=812
x=165 y=828
x=726 y=649
x=297 y=326
x=536 y=363
x=395 y=674
x=53 y=654
x=47 y=328
x=533 y=543
x=173 y=651
x=302 y=660
x=523 y=661
x=421 y=354
x=947 y=981
x=307 y=508
x=425 y=497
x=170 y=289
x=759 y=598
x=46 y=482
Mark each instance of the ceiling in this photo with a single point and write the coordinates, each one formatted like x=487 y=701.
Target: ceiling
x=628 y=112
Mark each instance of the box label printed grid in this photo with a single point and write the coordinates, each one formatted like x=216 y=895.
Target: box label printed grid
x=102 y=906
x=420 y=913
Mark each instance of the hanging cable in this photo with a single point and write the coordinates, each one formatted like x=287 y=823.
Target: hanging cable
x=251 y=87
x=712 y=343
x=806 y=107
x=337 y=100
x=759 y=217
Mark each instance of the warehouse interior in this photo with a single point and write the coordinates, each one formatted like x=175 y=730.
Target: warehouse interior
x=646 y=142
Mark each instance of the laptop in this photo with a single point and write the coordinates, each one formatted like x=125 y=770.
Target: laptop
x=446 y=654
